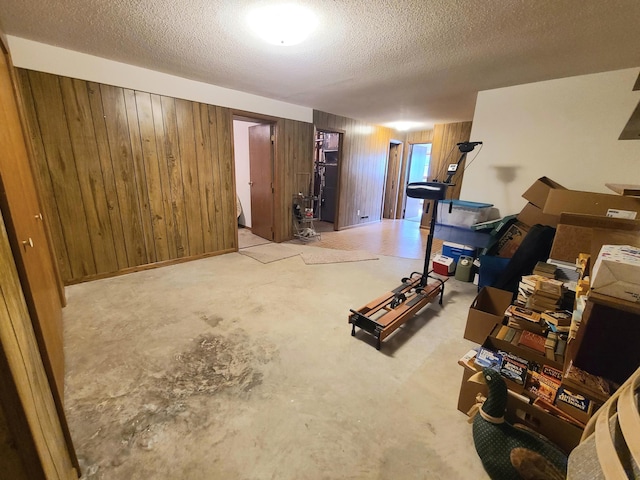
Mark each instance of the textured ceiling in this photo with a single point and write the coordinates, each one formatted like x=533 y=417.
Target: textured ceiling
x=374 y=60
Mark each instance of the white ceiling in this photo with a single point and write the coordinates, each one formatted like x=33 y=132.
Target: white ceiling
x=374 y=60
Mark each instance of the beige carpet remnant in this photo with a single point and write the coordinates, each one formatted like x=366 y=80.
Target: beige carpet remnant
x=272 y=252
x=316 y=256
x=247 y=239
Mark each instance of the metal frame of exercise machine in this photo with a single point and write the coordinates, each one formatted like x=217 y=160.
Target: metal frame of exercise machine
x=382 y=316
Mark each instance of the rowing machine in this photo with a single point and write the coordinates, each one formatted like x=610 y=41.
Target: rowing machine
x=382 y=316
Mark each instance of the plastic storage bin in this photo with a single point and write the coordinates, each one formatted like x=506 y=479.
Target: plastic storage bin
x=463 y=213
x=456 y=250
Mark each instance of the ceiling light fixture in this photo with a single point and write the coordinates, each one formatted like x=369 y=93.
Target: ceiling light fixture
x=284 y=24
x=404 y=126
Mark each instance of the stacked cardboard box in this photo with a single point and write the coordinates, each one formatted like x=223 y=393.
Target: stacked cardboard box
x=603 y=351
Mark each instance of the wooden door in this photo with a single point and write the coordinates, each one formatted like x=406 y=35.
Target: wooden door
x=393 y=177
x=261 y=180
x=23 y=215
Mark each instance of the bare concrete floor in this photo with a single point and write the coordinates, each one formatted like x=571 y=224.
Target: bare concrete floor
x=227 y=368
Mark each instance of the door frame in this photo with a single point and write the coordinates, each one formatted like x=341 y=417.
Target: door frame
x=274 y=122
x=398 y=202
x=341 y=133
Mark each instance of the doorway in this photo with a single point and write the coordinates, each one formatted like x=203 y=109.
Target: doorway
x=253 y=162
x=419 y=160
x=326 y=175
x=392 y=204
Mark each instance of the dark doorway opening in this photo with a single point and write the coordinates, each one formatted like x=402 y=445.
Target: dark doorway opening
x=326 y=175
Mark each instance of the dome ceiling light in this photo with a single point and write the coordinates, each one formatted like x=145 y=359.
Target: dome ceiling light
x=285 y=24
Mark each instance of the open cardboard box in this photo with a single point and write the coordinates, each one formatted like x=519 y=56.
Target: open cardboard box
x=616 y=272
x=578 y=233
x=563 y=434
x=529 y=354
x=532 y=215
x=486 y=311
x=537 y=193
x=589 y=203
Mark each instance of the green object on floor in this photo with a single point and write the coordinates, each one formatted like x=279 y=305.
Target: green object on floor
x=508 y=452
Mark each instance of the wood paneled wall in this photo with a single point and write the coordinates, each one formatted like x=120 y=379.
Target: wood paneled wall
x=129 y=178
x=293 y=171
x=25 y=395
x=444 y=152
x=363 y=166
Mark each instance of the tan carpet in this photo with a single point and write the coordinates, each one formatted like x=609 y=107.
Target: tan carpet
x=247 y=239
x=316 y=256
x=272 y=252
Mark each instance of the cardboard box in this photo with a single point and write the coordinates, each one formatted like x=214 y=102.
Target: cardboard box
x=528 y=354
x=616 y=272
x=511 y=240
x=538 y=192
x=532 y=215
x=486 y=311
x=589 y=203
x=563 y=434
x=577 y=234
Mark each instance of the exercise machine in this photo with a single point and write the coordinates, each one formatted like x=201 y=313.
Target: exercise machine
x=382 y=316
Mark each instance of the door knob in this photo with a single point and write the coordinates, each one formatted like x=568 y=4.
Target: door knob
x=28 y=243
x=38 y=216
x=251 y=183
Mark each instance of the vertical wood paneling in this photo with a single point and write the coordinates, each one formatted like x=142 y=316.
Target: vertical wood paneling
x=444 y=152
x=153 y=179
x=85 y=152
x=115 y=112
x=218 y=237
x=190 y=182
x=363 y=166
x=58 y=154
x=292 y=173
x=104 y=154
x=141 y=189
x=163 y=172
x=42 y=176
x=205 y=174
x=174 y=169
x=129 y=178
x=224 y=132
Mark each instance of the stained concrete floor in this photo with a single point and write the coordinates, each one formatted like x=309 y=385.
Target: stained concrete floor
x=227 y=368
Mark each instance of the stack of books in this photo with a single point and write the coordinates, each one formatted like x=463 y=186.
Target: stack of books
x=547 y=295
x=545 y=269
x=559 y=321
x=524 y=318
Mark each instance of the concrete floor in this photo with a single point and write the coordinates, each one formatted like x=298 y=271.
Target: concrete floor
x=227 y=368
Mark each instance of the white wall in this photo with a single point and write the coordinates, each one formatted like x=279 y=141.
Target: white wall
x=565 y=129
x=241 y=159
x=68 y=63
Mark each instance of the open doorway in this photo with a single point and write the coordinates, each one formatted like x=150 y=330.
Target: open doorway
x=393 y=195
x=326 y=175
x=419 y=160
x=253 y=162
